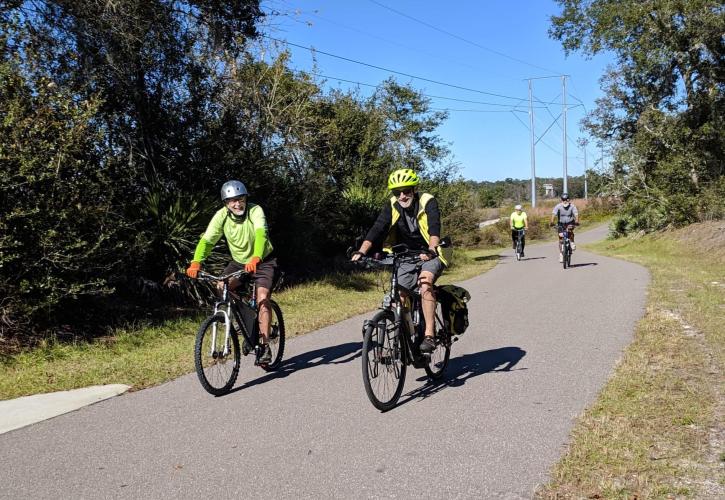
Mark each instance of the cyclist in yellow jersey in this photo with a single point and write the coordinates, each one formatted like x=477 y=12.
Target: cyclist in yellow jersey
x=244 y=227
x=519 y=221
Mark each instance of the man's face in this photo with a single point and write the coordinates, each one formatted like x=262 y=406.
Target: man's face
x=237 y=205
x=404 y=195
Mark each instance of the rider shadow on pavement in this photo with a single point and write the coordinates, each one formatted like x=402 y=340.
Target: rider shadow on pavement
x=333 y=355
x=462 y=368
x=583 y=264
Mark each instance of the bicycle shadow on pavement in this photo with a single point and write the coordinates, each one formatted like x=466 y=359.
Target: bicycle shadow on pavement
x=584 y=264
x=462 y=368
x=487 y=257
x=333 y=355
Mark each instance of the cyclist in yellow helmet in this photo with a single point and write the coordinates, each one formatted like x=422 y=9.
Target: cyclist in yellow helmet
x=414 y=219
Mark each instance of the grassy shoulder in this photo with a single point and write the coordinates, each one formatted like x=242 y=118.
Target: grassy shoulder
x=657 y=429
x=146 y=356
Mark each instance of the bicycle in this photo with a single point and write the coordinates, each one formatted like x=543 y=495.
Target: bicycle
x=391 y=339
x=565 y=244
x=217 y=354
x=519 y=243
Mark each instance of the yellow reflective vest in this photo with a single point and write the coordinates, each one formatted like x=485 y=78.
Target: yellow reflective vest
x=444 y=254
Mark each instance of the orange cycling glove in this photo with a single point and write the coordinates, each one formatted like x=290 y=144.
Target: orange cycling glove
x=193 y=270
x=251 y=266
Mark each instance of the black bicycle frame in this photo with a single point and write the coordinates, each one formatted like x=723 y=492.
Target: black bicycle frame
x=394 y=302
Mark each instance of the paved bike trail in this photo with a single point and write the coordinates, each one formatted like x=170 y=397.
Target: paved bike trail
x=541 y=344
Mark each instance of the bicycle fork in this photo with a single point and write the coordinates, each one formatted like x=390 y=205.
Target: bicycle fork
x=215 y=354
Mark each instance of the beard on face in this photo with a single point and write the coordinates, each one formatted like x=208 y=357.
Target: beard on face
x=406 y=204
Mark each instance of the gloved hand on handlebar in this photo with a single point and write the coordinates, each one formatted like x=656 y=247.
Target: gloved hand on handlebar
x=251 y=266
x=193 y=269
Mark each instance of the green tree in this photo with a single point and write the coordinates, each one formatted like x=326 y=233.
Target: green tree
x=664 y=106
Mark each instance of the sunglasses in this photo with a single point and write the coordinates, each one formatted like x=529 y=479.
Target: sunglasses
x=405 y=191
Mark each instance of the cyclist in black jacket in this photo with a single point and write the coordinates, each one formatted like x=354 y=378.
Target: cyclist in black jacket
x=414 y=219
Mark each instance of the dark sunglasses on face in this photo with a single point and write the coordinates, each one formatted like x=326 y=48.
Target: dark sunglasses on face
x=405 y=191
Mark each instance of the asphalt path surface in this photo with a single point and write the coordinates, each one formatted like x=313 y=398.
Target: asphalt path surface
x=542 y=343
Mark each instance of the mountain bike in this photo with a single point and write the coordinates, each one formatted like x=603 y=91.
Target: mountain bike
x=217 y=353
x=565 y=244
x=391 y=339
x=519 y=243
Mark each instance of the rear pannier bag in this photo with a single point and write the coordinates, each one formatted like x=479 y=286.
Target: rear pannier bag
x=455 y=311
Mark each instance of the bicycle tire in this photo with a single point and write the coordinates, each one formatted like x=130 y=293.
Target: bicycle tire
x=216 y=374
x=442 y=353
x=276 y=337
x=383 y=361
x=568 y=258
x=565 y=260
x=518 y=250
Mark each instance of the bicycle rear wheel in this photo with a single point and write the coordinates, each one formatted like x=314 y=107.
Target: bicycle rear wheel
x=442 y=353
x=276 y=337
x=217 y=364
x=383 y=361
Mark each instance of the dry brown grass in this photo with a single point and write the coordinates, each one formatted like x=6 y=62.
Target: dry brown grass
x=657 y=429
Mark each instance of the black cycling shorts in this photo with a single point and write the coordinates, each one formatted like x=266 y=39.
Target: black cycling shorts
x=264 y=277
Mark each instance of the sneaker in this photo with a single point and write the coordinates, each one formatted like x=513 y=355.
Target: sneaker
x=428 y=345
x=266 y=357
x=573 y=246
x=561 y=257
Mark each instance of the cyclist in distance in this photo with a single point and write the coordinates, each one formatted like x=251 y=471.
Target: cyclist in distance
x=565 y=213
x=413 y=219
x=519 y=221
x=244 y=226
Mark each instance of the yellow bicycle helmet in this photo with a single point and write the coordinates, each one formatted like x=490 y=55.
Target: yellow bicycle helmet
x=401 y=178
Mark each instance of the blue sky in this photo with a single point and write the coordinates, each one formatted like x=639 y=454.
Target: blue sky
x=487 y=46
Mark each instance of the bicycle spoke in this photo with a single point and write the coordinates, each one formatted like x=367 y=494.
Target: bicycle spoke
x=383 y=367
x=216 y=356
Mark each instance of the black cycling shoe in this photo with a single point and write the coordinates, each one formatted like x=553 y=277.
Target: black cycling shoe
x=428 y=345
x=266 y=357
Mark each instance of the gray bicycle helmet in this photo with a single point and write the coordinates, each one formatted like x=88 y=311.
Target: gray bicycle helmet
x=232 y=189
x=564 y=196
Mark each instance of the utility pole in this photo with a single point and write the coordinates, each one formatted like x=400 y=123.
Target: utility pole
x=563 y=111
x=533 y=146
x=586 y=192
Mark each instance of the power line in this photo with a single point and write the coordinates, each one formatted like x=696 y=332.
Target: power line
x=392 y=42
x=540 y=139
x=481 y=110
x=514 y=106
x=393 y=71
x=498 y=53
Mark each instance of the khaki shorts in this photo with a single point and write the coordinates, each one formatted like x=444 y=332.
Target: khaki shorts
x=408 y=272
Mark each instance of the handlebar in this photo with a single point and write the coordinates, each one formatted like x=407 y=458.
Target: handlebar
x=203 y=275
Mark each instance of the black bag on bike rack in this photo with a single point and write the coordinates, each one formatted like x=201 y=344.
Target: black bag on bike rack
x=455 y=311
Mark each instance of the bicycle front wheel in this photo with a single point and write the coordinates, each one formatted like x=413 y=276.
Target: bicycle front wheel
x=518 y=250
x=383 y=361
x=216 y=355
x=276 y=337
x=565 y=251
x=442 y=353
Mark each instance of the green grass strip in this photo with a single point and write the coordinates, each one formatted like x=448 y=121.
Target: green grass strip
x=655 y=428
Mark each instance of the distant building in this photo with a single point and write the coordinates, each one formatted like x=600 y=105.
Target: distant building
x=549 y=191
